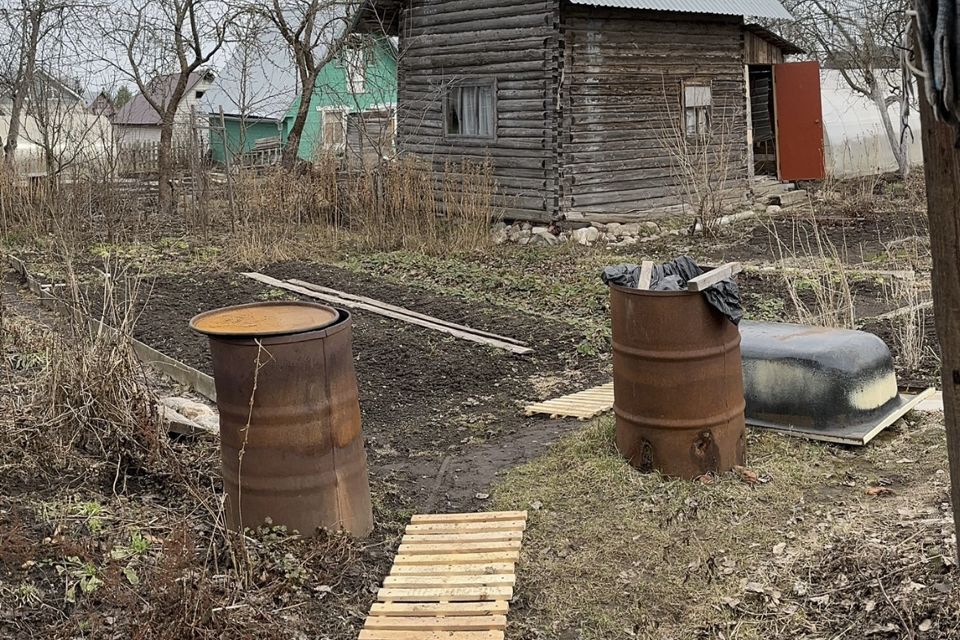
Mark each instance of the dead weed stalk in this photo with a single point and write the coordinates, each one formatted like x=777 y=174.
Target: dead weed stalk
x=822 y=296
x=93 y=393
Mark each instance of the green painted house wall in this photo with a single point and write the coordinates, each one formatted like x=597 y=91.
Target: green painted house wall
x=241 y=136
x=331 y=92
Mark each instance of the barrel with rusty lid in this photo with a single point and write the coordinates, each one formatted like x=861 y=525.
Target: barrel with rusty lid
x=295 y=456
x=678 y=385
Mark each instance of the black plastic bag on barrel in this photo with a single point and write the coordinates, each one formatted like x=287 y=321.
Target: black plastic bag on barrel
x=724 y=296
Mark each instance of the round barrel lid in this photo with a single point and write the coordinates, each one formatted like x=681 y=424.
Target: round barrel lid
x=264 y=319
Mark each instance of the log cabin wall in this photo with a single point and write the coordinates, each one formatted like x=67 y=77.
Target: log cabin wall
x=760 y=51
x=623 y=72
x=514 y=46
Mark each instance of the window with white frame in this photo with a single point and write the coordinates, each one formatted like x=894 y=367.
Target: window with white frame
x=697 y=102
x=334 y=129
x=355 y=62
x=471 y=109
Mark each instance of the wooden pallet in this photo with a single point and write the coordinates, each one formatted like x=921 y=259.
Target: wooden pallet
x=452 y=579
x=583 y=404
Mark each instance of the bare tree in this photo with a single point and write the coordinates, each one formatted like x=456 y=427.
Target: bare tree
x=861 y=40
x=315 y=31
x=161 y=43
x=28 y=24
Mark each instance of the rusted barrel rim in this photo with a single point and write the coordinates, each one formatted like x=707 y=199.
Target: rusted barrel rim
x=648 y=292
x=342 y=319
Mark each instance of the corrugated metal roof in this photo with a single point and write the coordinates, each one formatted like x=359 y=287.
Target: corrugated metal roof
x=755 y=8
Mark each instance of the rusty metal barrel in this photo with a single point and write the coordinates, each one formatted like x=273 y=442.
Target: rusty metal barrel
x=678 y=384
x=290 y=438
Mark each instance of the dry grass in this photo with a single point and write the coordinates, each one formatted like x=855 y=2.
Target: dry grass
x=612 y=553
x=822 y=296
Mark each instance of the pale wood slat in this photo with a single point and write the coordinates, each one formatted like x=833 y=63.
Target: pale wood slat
x=409 y=609
x=482 y=536
x=466 y=527
x=451 y=594
x=453 y=569
x=461 y=547
x=582 y=404
x=385 y=634
x=487 y=516
x=444 y=623
x=453 y=558
x=416 y=582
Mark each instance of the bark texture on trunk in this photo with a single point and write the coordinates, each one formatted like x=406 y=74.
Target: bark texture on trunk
x=165 y=165
x=942 y=168
x=900 y=150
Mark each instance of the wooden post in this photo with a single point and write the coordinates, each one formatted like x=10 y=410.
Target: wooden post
x=941 y=158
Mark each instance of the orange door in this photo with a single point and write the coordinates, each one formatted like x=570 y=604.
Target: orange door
x=796 y=94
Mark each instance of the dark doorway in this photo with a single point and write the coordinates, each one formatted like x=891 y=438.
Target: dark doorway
x=763 y=120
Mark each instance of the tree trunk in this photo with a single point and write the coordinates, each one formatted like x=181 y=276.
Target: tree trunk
x=942 y=168
x=290 y=152
x=165 y=162
x=901 y=152
x=25 y=81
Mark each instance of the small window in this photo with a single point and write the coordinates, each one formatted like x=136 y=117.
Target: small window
x=471 y=110
x=355 y=59
x=333 y=129
x=697 y=100
x=199 y=94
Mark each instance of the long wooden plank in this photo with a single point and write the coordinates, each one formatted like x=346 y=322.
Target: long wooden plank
x=459 y=558
x=384 y=634
x=468 y=580
x=403 y=310
x=712 y=277
x=483 y=536
x=466 y=527
x=439 y=623
x=451 y=594
x=467 y=568
x=409 y=609
x=280 y=284
x=459 y=547
x=484 y=516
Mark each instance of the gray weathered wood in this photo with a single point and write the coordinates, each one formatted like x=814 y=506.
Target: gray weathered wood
x=942 y=170
x=343 y=302
x=712 y=277
x=646 y=274
x=403 y=310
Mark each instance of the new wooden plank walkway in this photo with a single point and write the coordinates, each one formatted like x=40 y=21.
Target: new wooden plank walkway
x=583 y=404
x=452 y=579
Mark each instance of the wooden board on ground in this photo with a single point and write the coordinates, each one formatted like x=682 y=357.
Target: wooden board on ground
x=453 y=579
x=472 y=335
x=583 y=404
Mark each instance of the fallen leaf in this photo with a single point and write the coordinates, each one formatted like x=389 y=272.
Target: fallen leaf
x=879 y=491
x=536 y=505
x=754 y=587
x=131 y=575
x=869 y=605
x=925 y=625
x=779 y=548
x=747 y=475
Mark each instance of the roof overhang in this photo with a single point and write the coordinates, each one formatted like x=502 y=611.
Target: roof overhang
x=754 y=8
x=788 y=48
